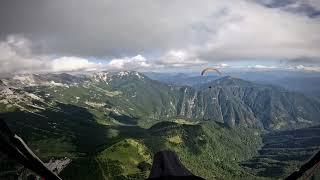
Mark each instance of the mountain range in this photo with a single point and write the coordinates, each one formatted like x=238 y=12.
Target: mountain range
x=133 y=95
x=89 y=116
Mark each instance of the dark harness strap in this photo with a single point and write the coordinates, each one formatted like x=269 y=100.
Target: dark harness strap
x=14 y=147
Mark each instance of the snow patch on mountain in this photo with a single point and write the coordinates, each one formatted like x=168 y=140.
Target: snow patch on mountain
x=100 y=77
x=25 y=79
x=52 y=83
x=95 y=104
x=138 y=75
x=33 y=96
x=123 y=73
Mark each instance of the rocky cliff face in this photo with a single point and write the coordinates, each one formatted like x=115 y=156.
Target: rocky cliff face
x=237 y=102
x=131 y=94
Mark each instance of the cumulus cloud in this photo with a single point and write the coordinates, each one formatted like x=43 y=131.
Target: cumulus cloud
x=306 y=68
x=212 y=29
x=15 y=56
x=73 y=64
x=223 y=65
x=104 y=28
x=156 y=34
x=171 y=59
x=131 y=63
x=251 y=31
x=179 y=59
x=310 y=8
x=263 y=67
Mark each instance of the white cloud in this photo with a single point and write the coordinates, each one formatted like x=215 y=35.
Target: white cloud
x=210 y=30
x=223 y=65
x=179 y=59
x=251 y=31
x=15 y=56
x=171 y=59
x=307 y=68
x=314 y=3
x=72 y=64
x=262 y=67
x=129 y=63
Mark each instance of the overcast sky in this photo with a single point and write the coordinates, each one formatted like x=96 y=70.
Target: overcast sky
x=147 y=35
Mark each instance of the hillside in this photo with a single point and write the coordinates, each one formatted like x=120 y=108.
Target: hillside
x=132 y=98
x=284 y=151
x=275 y=108
x=200 y=147
x=93 y=116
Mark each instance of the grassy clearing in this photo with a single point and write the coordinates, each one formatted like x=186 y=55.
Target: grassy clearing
x=175 y=139
x=126 y=154
x=208 y=149
x=183 y=121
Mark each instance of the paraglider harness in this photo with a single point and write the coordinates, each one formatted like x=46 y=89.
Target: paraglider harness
x=312 y=165
x=15 y=148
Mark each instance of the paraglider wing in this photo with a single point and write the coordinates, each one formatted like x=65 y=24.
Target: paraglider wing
x=203 y=72
x=206 y=70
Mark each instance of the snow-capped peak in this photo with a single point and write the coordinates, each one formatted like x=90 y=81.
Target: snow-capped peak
x=100 y=76
x=130 y=73
x=123 y=73
x=25 y=79
x=138 y=75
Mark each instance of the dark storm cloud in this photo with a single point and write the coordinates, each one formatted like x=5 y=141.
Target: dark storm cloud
x=153 y=33
x=97 y=28
x=304 y=60
x=310 y=8
x=276 y=3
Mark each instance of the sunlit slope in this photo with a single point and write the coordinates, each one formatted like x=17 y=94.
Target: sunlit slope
x=125 y=159
x=209 y=150
x=266 y=106
x=130 y=98
x=68 y=110
x=212 y=129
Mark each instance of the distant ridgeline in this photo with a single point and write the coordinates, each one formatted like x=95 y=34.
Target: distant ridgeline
x=129 y=97
x=94 y=118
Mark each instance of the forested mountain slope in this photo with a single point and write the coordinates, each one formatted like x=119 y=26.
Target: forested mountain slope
x=213 y=128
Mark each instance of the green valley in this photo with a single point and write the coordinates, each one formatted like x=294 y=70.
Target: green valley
x=112 y=123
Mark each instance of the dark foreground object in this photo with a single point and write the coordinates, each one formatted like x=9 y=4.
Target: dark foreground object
x=166 y=165
x=15 y=148
x=312 y=165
